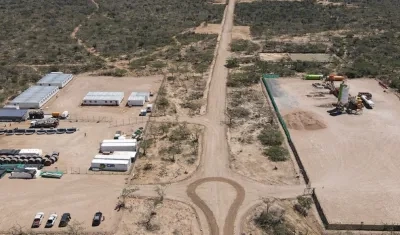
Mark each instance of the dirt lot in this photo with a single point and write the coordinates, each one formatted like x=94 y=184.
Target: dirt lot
x=353 y=162
x=238 y=32
x=247 y=152
x=304 y=225
x=70 y=97
x=169 y=217
x=76 y=150
x=173 y=153
x=81 y=195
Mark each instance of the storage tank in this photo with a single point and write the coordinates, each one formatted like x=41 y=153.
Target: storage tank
x=367 y=101
x=336 y=78
x=344 y=93
x=313 y=77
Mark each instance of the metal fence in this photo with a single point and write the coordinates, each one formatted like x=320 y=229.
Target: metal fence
x=112 y=122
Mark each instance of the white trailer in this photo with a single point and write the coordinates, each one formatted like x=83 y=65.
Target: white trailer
x=23 y=174
x=136 y=101
x=113 y=157
x=132 y=155
x=31 y=152
x=120 y=141
x=111 y=147
x=110 y=165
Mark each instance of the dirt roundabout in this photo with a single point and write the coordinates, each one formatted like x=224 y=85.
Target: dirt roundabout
x=304 y=120
x=212 y=223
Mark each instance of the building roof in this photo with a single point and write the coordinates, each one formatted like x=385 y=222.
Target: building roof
x=13 y=112
x=139 y=93
x=110 y=161
x=34 y=94
x=55 y=77
x=96 y=95
x=114 y=157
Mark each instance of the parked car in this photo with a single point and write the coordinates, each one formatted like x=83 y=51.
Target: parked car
x=52 y=219
x=97 y=219
x=37 y=221
x=65 y=218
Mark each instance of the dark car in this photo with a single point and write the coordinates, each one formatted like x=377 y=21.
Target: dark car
x=10 y=132
x=97 y=219
x=65 y=218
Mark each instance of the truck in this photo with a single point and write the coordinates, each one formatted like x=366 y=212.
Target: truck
x=45 y=123
x=36 y=114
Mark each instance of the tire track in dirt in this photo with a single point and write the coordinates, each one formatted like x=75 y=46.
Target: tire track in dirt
x=233 y=209
x=77 y=28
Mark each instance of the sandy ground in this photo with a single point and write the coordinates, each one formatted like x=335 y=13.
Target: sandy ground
x=76 y=150
x=355 y=179
x=163 y=169
x=70 y=97
x=238 y=32
x=171 y=217
x=304 y=225
x=273 y=56
x=78 y=192
x=80 y=195
x=247 y=152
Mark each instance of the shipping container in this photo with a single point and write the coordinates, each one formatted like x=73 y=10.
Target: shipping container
x=111 y=147
x=113 y=157
x=136 y=101
x=313 y=77
x=30 y=152
x=110 y=165
x=131 y=154
x=23 y=173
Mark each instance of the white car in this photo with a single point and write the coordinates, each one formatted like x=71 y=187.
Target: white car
x=37 y=221
x=51 y=221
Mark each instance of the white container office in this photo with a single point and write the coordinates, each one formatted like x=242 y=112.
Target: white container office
x=112 y=147
x=113 y=157
x=110 y=165
x=103 y=98
x=136 y=101
x=132 y=155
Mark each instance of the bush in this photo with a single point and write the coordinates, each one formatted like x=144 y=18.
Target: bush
x=241 y=45
x=238 y=112
x=277 y=153
x=232 y=63
x=270 y=137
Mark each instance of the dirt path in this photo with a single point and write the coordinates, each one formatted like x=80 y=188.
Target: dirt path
x=214 y=162
x=91 y=50
x=230 y=219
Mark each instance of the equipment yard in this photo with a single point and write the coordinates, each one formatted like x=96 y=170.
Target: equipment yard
x=80 y=192
x=352 y=160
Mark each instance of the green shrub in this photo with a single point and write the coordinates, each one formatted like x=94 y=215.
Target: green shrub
x=232 y=63
x=277 y=153
x=270 y=137
x=241 y=45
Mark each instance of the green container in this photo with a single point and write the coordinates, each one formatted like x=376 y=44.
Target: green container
x=313 y=77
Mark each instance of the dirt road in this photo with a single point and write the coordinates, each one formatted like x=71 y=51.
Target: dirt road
x=214 y=162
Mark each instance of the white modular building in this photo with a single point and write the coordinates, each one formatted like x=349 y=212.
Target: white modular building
x=132 y=155
x=120 y=141
x=34 y=97
x=112 y=147
x=136 y=101
x=113 y=157
x=146 y=94
x=110 y=165
x=103 y=98
x=59 y=79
